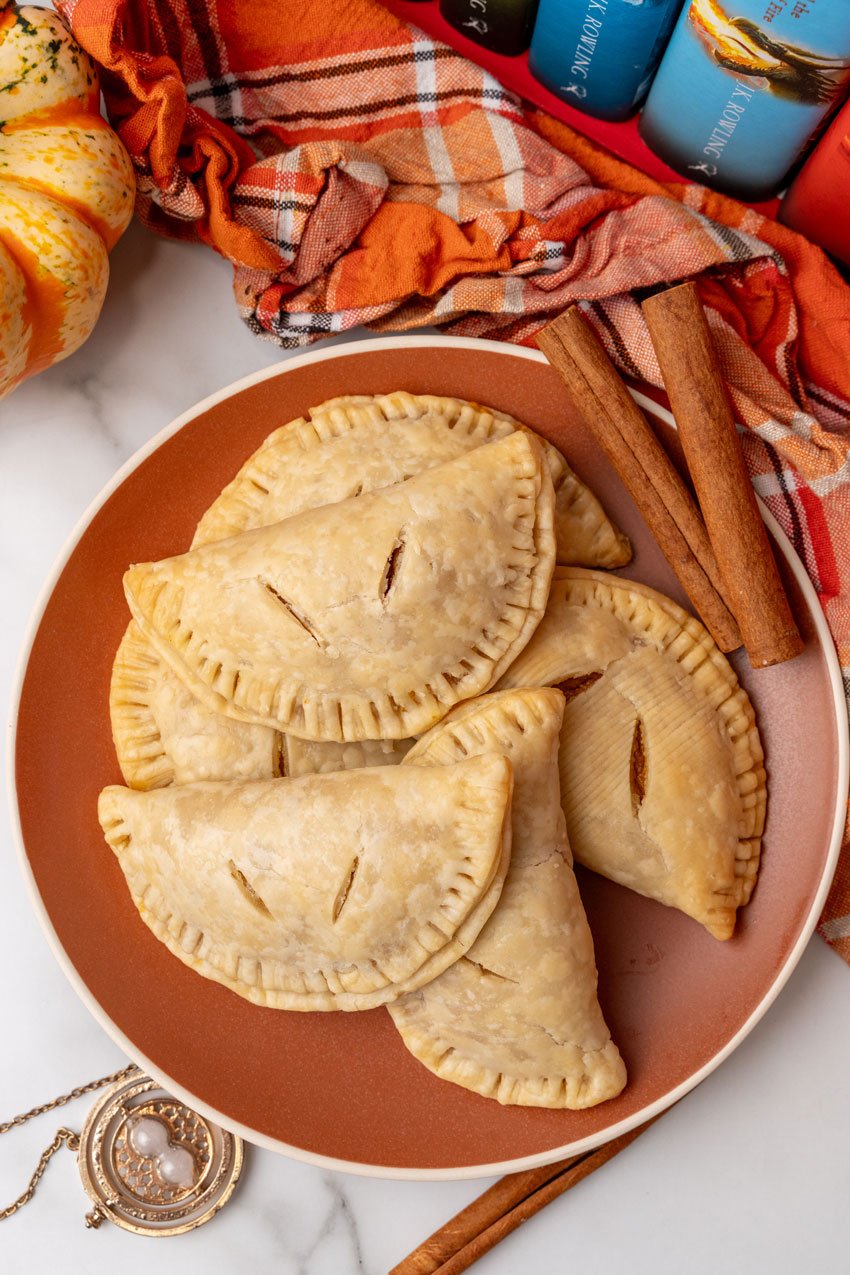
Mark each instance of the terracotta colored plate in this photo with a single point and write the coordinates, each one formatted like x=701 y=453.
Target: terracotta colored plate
x=340 y=1089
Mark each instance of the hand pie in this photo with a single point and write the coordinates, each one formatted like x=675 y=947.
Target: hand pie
x=370 y=618
x=164 y=735
x=517 y=1018
x=348 y=446
x=334 y=891
x=662 y=775
x=358 y=444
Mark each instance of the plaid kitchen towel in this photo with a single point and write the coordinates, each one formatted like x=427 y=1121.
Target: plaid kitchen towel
x=357 y=172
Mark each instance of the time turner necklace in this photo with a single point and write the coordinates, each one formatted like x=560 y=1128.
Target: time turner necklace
x=149 y=1163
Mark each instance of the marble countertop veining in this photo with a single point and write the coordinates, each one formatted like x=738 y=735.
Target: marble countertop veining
x=747 y=1174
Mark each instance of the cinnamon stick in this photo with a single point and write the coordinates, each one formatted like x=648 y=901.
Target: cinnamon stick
x=465 y=1227
x=501 y=1209
x=694 y=383
x=622 y=431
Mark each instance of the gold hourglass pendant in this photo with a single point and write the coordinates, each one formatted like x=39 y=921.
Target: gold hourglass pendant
x=151 y=1164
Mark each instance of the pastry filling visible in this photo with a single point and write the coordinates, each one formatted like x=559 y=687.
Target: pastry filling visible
x=572 y=687
x=280 y=768
x=345 y=889
x=248 y=890
x=292 y=610
x=637 y=767
x=391 y=569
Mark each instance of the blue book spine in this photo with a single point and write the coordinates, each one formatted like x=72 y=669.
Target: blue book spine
x=742 y=87
x=600 y=55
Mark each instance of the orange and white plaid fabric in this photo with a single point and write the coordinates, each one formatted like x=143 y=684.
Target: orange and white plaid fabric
x=357 y=172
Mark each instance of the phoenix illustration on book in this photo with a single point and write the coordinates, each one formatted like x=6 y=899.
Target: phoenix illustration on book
x=742 y=47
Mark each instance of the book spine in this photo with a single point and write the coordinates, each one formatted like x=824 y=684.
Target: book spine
x=504 y=26
x=600 y=55
x=742 y=87
x=818 y=199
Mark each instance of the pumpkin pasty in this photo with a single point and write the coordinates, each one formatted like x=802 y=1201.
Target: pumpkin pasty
x=662 y=769
x=164 y=735
x=517 y=1018
x=359 y=443
x=370 y=618
x=329 y=892
x=348 y=446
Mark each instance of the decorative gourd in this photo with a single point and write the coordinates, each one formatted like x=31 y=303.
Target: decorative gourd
x=66 y=193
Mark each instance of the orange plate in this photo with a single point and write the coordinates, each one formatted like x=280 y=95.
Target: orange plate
x=340 y=1089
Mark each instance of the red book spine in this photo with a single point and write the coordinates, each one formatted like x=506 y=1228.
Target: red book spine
x=818 y=200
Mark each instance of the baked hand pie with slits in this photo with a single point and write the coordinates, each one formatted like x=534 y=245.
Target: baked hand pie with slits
x=337 y=891
x=360 y=443
x=344 y=447
x=369 y=618
x=517 y=1017
x=662 y=769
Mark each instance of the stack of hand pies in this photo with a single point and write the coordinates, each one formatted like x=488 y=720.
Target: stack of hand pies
x=368 y=718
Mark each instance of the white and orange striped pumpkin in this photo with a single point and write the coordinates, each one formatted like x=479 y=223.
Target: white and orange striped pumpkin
x=66 y=193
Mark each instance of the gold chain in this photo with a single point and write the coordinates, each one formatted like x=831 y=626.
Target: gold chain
x=72 y=1141
x=63 y=1135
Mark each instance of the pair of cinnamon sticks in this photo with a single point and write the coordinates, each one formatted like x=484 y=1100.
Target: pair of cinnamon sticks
x=502 y=1208
x=718 y=549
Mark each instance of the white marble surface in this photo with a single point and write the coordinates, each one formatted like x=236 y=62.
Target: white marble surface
x=748 y=1173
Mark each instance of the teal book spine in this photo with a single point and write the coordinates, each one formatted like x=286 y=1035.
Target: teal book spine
x=600 y=55
x=743 y=86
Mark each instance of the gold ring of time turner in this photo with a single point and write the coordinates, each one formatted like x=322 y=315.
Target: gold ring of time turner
x=150 y=1164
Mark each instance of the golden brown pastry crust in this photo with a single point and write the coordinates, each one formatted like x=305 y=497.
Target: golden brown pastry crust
x=164 y=735
x=662 y=768
x=517 y=1018
x=360 y=443
x=336 y=891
